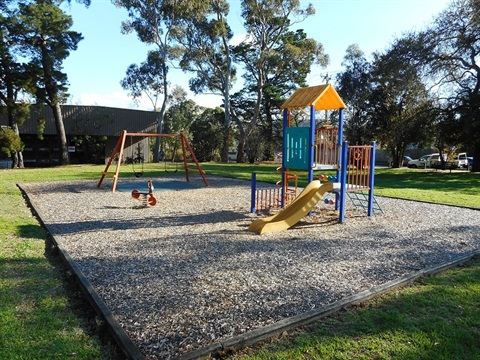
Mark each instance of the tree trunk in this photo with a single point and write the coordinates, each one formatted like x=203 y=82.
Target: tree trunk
x=241 y=139
x=158 y=140
x=17 y=156
x=161 y=115
x=62 y=137
x=226 y=99
x=225 y=148
x=269 y=143
x=241 y=150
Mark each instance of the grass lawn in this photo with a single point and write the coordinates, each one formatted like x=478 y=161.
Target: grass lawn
x=42 y=316
x=436 y=318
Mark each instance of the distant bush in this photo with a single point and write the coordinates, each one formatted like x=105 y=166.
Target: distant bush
x=10 y=142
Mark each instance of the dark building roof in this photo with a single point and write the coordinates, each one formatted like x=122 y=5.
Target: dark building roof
x=90 y=120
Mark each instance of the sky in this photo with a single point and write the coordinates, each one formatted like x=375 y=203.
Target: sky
x=96 y=68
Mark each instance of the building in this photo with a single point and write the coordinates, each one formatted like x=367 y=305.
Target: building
x=101 y=125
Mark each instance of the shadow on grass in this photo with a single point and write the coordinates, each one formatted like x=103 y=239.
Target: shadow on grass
x=30 y=231
x=37 y=315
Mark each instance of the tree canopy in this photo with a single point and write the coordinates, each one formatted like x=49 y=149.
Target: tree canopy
x=35 y=40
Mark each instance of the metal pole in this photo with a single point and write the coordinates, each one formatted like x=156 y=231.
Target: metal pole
x=343 y=181
x=371 y=179
x=284 y=155
x=254 y=192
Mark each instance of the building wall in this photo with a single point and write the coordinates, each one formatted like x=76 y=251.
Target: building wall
x=96 y=121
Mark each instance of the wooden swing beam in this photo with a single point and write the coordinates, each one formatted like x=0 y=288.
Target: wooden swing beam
x=120 y=147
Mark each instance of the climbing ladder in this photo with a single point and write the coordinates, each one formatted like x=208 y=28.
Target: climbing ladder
x=359 y=199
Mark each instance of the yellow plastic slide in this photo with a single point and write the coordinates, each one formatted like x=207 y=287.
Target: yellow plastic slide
x=294 y=212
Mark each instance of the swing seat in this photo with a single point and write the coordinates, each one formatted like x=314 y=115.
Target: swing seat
x=138 y=174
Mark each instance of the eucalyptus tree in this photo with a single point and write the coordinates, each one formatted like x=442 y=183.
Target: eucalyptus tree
x=399 y=104
x=450 y=51
x=266 y=22
x=47 y=40
x=146 y=79
x=355 y=87
x=208 y=53
x=158 y=23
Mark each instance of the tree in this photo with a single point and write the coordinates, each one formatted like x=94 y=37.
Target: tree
x=400 y=105
x=207 y=53
x=47 y=41
x=355 y=87
x=148 y=79
x=208 y=134
x=287 y=69
x=157 y=23
x=450 y=52
x=266 y=22
x=14 y=79
x=10 y=142
x=180 y=115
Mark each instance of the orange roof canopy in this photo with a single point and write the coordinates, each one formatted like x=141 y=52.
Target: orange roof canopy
x=323 y=97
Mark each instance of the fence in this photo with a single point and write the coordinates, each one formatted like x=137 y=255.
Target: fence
x=267 y=198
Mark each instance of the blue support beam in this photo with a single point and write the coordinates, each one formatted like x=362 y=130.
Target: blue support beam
x=311 y=152
x=371 y=179
x=343 y=181
x=284 y=154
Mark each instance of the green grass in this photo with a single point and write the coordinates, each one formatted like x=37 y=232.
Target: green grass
x=43 y=317
x=459 y=188
x=437 y=318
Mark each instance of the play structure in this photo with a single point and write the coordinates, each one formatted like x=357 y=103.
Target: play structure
x=146 y=197
x=118 y=155
x=308 y=148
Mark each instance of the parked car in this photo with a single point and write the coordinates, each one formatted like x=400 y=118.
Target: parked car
x=406 y=160
x=461 y=161
x=425 y=161
x=470 y=163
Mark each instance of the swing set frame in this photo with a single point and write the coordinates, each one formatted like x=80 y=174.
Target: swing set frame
x=120 y=147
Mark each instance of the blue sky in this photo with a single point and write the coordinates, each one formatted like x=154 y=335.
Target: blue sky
x=99 y=64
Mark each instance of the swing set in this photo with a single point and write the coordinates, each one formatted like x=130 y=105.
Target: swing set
x=119 y=150
x=137 y=157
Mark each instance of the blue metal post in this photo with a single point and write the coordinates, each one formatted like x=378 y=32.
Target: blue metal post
x=311 y=152
x=254 y=193
x=343 y=181
x=371 y=179
x=284 y=154
x=340 y=156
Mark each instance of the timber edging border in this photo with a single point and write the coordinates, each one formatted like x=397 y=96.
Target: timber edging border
x=269 y=331
x=131 y=351
x=124 y=342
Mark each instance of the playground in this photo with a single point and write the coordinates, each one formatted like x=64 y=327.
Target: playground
x=186 y=273
x=185 y=264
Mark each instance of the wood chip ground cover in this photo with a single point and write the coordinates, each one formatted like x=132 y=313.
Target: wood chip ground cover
x=186 y=273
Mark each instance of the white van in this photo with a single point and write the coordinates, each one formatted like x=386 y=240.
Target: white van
x=425 y=161
x=461 y=161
